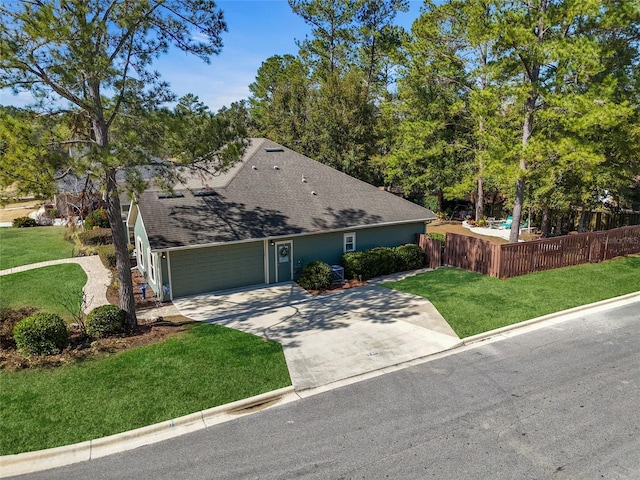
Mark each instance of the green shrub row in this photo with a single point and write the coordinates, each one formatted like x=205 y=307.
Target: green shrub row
x=47 y=334
x=24 y=222
x=382 y=261
x=41 y=334
x=437 y=236
x=97 y=219
x=105 y=320
x=100 y=236
x=316 y=275
x=107 y=254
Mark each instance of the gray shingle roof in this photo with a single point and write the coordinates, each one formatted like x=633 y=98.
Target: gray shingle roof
x=265 y=196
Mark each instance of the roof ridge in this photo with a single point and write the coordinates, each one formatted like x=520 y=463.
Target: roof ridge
x=252 y=148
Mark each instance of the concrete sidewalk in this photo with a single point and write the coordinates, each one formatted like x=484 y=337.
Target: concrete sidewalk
x=330 y=337
x=98 y=277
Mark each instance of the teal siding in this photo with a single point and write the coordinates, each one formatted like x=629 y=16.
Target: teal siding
x=328 y=247
x=144 y=267
x=208 y=269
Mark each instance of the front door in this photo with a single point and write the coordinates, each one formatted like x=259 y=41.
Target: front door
x=284 y=265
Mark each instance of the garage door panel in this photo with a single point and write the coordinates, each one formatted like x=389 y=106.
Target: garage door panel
x=216 y=268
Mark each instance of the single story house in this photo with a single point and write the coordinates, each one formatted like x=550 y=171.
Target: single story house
x=261 y=222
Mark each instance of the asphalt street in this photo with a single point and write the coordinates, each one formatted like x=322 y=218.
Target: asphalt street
x=558 y=402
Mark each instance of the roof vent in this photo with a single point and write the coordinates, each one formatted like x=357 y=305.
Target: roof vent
x=276 y=167
x=313 y=193
x=304 y=179
x=204 y=192
x=163 y=195
x=253 y=167
x=274 y=149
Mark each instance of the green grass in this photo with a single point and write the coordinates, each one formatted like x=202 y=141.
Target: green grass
x=41 y=287
x=22 y=246
x=205 y=366
x=473 y=303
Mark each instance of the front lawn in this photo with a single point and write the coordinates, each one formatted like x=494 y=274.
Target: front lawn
x=22 y=246
x=202 y=367
x=473 y=303
x=42 y=288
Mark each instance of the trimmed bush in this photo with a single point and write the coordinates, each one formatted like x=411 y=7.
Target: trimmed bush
x=105 y=320
x=41 y=334
x=370 y=263
x=107 y=254
x=316 y=276
x=9 y=318
x=101 y=236
x=379 y=261
x=409 y=257
x=24 y=222
x=437 y=236
x=97 y=219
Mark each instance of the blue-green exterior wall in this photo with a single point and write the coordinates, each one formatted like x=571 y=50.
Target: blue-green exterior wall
x=139 y=232
x=328 y=247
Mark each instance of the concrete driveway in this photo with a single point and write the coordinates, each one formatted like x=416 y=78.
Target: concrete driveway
x=330 y=337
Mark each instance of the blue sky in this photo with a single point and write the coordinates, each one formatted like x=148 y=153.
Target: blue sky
x=258 y=29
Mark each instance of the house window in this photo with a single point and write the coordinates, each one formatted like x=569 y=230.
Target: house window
x=152 y=266
x=140 y=254
x=349 y=242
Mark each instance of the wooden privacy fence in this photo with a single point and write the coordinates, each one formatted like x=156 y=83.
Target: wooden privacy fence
x=432 y=249
x=513 y=259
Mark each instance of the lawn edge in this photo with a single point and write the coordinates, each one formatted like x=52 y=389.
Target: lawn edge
x=550 y=316
x=30 y=462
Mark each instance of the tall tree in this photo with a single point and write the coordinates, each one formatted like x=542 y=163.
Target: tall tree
x=549 y=53
x=378 y=38
x=93 y=59
x=280 y=101
x=329 y=50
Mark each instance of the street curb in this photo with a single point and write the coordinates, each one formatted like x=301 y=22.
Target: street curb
x=30 y=462
x=551 y=316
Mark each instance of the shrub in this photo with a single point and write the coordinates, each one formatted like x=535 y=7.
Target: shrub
x=9 y=317
x=316 y=276
x=97 y=218
x=437 y=236
x=101 y=236
x=24 y=222
x=105 y=320
x=369 y=263
x=41 y=334
x=409 y=257
x=107 y=254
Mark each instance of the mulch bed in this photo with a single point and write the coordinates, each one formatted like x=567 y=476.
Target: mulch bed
x=340 y=286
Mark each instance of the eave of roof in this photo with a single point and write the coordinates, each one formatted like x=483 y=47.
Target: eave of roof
x=272 y=194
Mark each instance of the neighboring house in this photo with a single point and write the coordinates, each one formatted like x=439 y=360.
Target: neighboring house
x=261 y=222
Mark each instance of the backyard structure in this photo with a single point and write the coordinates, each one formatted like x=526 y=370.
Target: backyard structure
x=510 y=260
x=261 y=222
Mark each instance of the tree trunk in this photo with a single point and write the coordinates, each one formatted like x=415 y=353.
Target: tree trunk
x=480 y=199
x=517 y=210
x=123 y=266
x=440 y=204
x=527 y=131
x=584 y=215
x=546 y=222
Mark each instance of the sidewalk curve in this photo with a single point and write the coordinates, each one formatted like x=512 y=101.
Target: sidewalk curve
x=98 y=277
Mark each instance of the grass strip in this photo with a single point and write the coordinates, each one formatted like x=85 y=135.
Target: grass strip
x=202 y=367
x=473 y=303
x=23 y=246
x=42 y=288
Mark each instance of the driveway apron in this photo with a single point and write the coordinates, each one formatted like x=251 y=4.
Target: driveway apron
x=330 y=337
